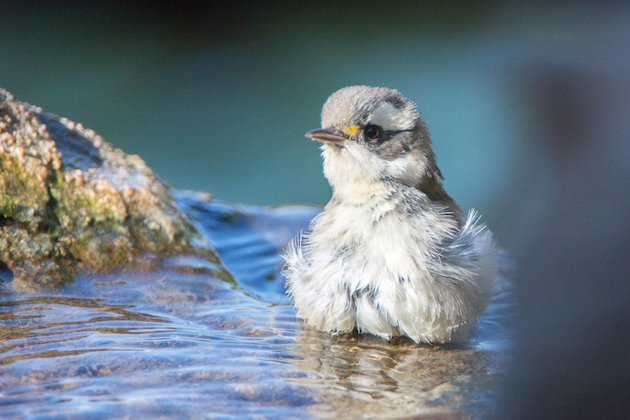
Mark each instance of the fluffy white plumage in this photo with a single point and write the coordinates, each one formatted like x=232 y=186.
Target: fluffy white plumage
x=388 y=255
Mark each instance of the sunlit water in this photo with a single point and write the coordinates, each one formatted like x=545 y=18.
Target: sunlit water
x=180 y=342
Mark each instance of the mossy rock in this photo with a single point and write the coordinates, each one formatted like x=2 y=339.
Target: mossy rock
x=71 y=203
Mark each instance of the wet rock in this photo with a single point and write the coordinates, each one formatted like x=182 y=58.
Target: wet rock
x=70 y=203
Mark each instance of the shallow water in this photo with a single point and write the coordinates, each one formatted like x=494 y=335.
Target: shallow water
x=181 y=342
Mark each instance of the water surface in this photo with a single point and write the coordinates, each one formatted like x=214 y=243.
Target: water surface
x=178 y=341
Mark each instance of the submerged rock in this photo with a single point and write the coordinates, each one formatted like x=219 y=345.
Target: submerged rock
x=71 y=203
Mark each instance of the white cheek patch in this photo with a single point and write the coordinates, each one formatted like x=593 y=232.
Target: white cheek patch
x=397 y=167
x=408 y=169
x=391 y=118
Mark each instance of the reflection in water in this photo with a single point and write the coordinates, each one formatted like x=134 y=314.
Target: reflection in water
x=364 y=374
x=180 y=342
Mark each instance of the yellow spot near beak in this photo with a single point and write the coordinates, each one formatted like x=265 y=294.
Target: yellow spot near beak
x=351 y=131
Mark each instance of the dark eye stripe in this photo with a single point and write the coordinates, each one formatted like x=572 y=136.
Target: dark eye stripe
x=376 y=135
x=398 y=131
x=387 y=134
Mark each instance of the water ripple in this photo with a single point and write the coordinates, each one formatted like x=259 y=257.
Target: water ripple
x=180 y=342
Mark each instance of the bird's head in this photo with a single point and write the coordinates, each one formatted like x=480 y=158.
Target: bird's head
x=370 y=134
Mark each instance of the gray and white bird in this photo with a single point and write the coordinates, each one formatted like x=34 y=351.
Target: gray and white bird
x=391 y=254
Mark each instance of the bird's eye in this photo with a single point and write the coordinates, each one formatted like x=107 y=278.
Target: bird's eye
x=373 y=131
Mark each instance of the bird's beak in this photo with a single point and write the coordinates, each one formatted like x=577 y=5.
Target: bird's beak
x=326 y=135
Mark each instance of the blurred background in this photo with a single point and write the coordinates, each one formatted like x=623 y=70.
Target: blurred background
x=217 y=96
x=528 y=104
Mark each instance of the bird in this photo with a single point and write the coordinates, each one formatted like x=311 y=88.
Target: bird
x=391 y=254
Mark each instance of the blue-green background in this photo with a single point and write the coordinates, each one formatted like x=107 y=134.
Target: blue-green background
x=217 y=96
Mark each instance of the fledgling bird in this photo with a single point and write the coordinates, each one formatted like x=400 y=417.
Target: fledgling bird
x=390 y=254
